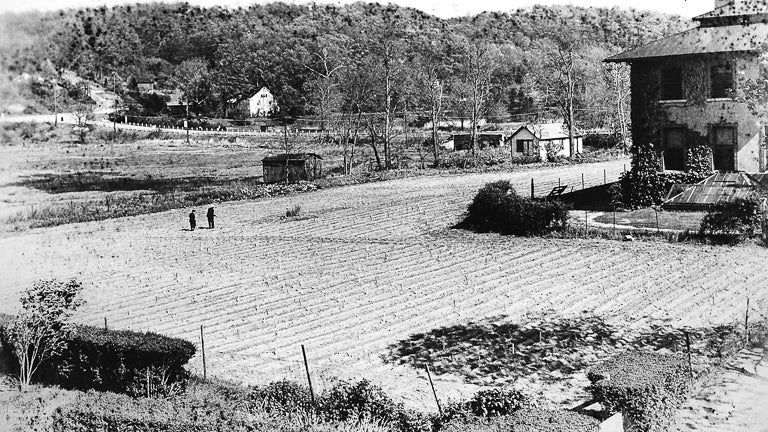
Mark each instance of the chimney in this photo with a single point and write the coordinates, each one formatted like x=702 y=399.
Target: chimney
x=723 y=3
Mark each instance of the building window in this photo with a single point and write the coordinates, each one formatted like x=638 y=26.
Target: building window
x=672 y=84
x=723 y=148
x=721 y=77
x=526 y=147
x=674 y=149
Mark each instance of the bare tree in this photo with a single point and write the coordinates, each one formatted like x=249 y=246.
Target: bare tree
x=477 y=64
x=617 y=78
x=41 y=330
x=562 y=78
x=323 y=88
x=430 y=78
x=83 y=114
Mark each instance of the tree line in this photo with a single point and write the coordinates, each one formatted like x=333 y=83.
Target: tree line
x=361 y=67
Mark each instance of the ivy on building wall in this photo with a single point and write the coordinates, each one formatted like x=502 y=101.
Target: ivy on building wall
x=644 y=185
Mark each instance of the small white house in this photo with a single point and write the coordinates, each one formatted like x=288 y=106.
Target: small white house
x=262 y=103
x=539 y=140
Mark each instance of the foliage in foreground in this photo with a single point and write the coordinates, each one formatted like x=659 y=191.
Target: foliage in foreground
x=740 y=216
x=527 y=420
x=40 y=331
x=116 y=361
x=498 y=208
x=647 y=387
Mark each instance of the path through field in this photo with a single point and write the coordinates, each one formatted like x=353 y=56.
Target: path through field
x=362 y=269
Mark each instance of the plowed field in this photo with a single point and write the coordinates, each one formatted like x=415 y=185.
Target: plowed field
x=364 y=268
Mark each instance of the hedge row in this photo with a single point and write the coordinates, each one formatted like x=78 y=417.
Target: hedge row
x=527 y=420
x=647 y=387
x=109 y=360
x=498 y=208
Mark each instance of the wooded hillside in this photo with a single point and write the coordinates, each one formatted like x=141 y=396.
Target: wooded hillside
x=294 y=50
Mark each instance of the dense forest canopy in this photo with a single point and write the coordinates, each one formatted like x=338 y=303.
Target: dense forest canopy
x=320 y=60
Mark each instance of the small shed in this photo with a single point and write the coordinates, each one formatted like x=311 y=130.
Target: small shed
x=537 y=140
x=484 y=139
x=292 y=167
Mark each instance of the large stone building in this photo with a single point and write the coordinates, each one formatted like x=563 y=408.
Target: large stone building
x=682 y=90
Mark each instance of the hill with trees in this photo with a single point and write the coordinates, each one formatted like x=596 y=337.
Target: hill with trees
x=341 y=63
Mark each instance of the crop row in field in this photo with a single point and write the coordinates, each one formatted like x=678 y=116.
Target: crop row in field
x=366 y=267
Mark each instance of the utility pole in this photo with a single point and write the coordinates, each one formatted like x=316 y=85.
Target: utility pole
x=186 y=122
x=114 y=112
x=55 y=106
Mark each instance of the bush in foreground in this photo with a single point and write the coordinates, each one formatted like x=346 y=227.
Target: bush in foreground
x=737 y=217
x=40 y=331
x=527 y=420
x=116 y=361
x=647 y=387
x=498 y=208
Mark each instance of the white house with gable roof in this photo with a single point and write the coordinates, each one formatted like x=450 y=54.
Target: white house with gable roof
x=537 y=140
x=262 y=103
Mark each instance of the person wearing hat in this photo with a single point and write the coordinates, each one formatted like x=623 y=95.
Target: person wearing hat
x=192 y=222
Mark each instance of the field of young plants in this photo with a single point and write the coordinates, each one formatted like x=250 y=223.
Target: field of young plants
x=373 y=281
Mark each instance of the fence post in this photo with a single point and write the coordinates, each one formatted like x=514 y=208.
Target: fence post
x=309 y=380
x=202 y=348
x=746 y=324
x=105 y=324
x=532 y=189
x=434 y=393
x=582 y=181
x=605 y=176
x=688 y=349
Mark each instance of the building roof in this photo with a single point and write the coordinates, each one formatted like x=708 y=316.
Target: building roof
x=546 y=131
x=701 y=40
x=260 y=90
x=291 y=157
x=738 y=8
x=716 y=188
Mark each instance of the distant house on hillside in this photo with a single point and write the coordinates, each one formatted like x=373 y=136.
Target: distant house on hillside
x=176 y=103
x=682 y=100
x=145 y=85
x=262 y=103
x=541 y=140
x=292 y=167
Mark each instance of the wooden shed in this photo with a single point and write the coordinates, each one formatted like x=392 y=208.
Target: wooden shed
x=484 y=140
x=292 y=167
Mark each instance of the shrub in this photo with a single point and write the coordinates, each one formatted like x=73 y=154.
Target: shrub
x=362 y=402
x=358 y=401
x=496 y=402
x=282 y=396
x=118 y=361
x=648 y=188
x=40 y=331
x=740 y=216
x=527 y=420
x=293 y=211
x=647 y=387
x=120 y=413
x=596 y=140
x=498 y=208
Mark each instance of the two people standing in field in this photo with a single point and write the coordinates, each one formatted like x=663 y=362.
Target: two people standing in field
x=193 y=222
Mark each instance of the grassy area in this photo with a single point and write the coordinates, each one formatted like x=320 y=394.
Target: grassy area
x=646 y=218
x=48 y=178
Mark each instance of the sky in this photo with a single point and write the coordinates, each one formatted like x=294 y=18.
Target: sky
x=445 y=9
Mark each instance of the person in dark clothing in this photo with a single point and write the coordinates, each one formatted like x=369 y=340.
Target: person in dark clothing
x=192 y=222
x=210 y=216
